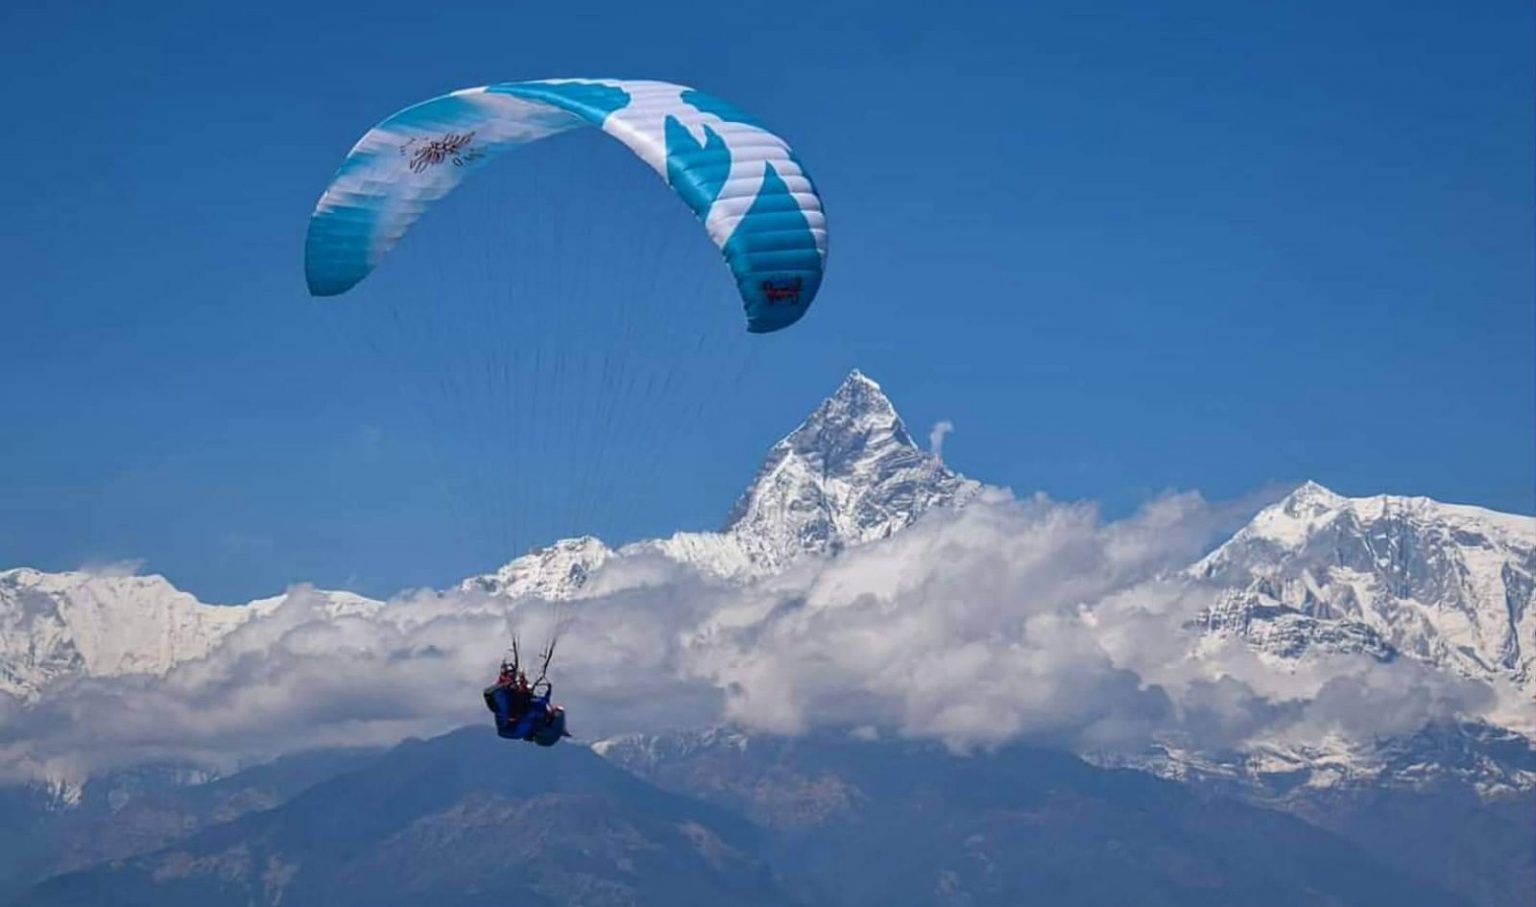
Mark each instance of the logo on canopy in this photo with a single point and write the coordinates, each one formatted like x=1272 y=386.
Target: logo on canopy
x=785 y=291
x=453 y=146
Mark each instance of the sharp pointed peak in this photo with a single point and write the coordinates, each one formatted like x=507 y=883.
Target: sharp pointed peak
x=858 y=406
x=1308 y=501
x=858 y=391
x=857 y=377
x=1310 y=490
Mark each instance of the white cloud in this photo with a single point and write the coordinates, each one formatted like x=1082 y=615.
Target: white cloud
x=1010 y=618
x=936 y=435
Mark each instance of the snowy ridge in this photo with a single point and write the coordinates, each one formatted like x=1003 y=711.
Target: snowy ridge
x=1318 y=572
x=656 y=749
x=1492 y=761
x=557 y=571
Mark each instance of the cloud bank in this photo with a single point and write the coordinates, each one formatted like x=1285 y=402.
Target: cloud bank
x=1008 y=619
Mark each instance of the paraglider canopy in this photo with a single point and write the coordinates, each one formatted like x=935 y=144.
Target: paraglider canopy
x=751 y=192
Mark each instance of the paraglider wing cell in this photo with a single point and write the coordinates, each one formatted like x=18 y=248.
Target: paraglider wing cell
x=751 y=192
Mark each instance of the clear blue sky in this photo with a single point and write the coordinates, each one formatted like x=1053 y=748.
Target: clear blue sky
x=1210 y=246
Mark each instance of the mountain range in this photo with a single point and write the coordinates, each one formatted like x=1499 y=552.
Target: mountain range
x=1386 y=576
x=1314 y=575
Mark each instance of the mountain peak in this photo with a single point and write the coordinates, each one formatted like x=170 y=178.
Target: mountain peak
x=858 y=381
x=842 y=429
x=849 y=474
x=1447 y=583
x=1296 y=514
x=858 y=405
x=1311 y=491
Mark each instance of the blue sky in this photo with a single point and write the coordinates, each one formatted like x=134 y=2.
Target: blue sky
x=1208 y=246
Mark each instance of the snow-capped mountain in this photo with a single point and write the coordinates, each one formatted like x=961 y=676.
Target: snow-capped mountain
x=554 y=572
x=106 y=624
x=57 y=624
x=848 y=475
x=1386 y=575
x=1320 y=574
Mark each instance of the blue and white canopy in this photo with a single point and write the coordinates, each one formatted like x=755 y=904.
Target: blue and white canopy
x=745 y=184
